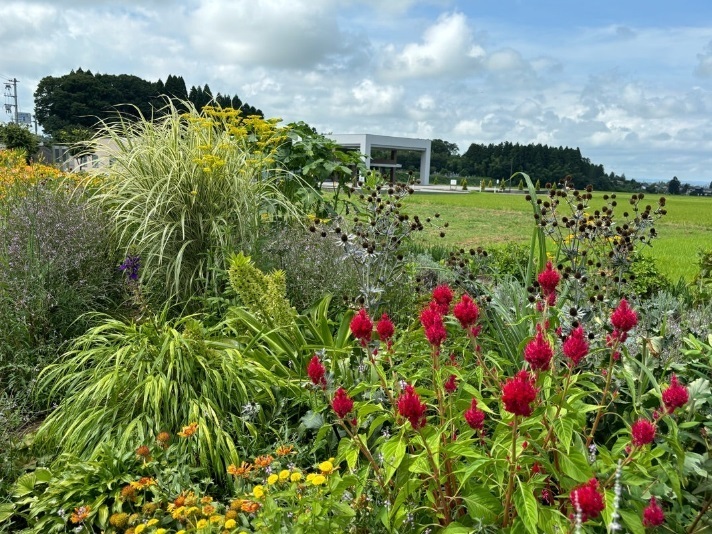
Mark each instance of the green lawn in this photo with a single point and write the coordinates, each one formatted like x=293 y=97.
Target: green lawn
x=487 y=219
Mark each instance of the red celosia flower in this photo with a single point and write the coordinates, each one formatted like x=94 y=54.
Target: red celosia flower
x=317 y=372
x=466 y=311
x=451 y=384
x=410 y=407
x=538 y=353
x=442 y=295
x=548 y=280
x=643 y=432
x=342 y=403
x=362 y=327
x=518 y=393
x=432 y=321
x=474 y=416
x=576 y=345
x=587 y=500
x=675 y=396
x=653 y=515
x=624 y=317
x=385 y=329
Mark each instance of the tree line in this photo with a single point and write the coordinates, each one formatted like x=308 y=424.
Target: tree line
x=68 y=107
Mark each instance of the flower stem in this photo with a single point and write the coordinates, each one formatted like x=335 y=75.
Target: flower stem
x=512 y=468
x=602 y=407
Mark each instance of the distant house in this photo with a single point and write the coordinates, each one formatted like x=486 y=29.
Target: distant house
x=700 y=192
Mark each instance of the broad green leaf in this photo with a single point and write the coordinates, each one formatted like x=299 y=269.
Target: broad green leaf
x=6 y=511
x=632 y=520
x=526 y=505
x=393 y=452
x=456 y=528
x=481 y=504
x=575 y=465
x=564 y=429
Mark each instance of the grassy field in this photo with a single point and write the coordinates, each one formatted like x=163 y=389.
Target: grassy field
x=487 y=219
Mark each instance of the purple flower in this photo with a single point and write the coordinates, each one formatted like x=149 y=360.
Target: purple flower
x=131 y=266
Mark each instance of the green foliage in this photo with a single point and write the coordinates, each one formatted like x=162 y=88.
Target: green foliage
x=120 y=382
x=15 y=136
x=187 y=189
x=646 y=279
x=263 y=294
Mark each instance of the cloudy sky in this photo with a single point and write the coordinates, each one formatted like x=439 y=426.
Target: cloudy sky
x=629 y=82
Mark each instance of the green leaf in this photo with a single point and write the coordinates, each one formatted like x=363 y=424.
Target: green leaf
x=564 y=430
x=575 y=465
x=25 y=485
x=312 y=420
x=633 y=521
x=6 y=511
x=526 y=505
x=456 y=528
x=393 y=452
x=481 y=504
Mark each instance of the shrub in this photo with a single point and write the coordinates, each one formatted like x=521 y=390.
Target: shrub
x=185 y=190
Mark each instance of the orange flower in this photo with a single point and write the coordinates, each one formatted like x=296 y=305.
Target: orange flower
x=263 y=461
x=144 y=452
x=128 y=493
x=163 y=438
x=284 y=450
x=250 y=507
x=143 y=483
x=80 y=514
x=242 y=471
x=189 y=430
x=180 y=501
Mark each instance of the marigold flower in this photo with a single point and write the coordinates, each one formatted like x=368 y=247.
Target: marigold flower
x=202 y=523
x=450 y=384
x=295 y=477
x=272 y=479
x=653 y=515
x=675 y=396
x=587 y=499
x=548 y=280
x=575 y=347
x=442 y=295
x=410 y=407
x=342 y=403
x=518 y=393
x=624 y=317
x=283 y=475
x=466 y=311
x=474 y=416
x=642 y=432
x=317 y=372
x=318 y=480
x=538 y=353
x=362 y=327
x=230 y=524
x=284 y=450
x=258 y=492
x=189 y=430
x=264 y=460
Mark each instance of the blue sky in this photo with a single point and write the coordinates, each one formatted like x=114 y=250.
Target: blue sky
x=628 y=82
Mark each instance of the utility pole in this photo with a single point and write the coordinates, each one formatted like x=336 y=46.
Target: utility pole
x=11 y=85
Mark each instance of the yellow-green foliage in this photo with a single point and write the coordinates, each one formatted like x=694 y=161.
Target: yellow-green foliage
x=264 y=294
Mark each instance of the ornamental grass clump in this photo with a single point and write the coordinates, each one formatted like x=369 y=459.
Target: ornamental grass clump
x=186 y=189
